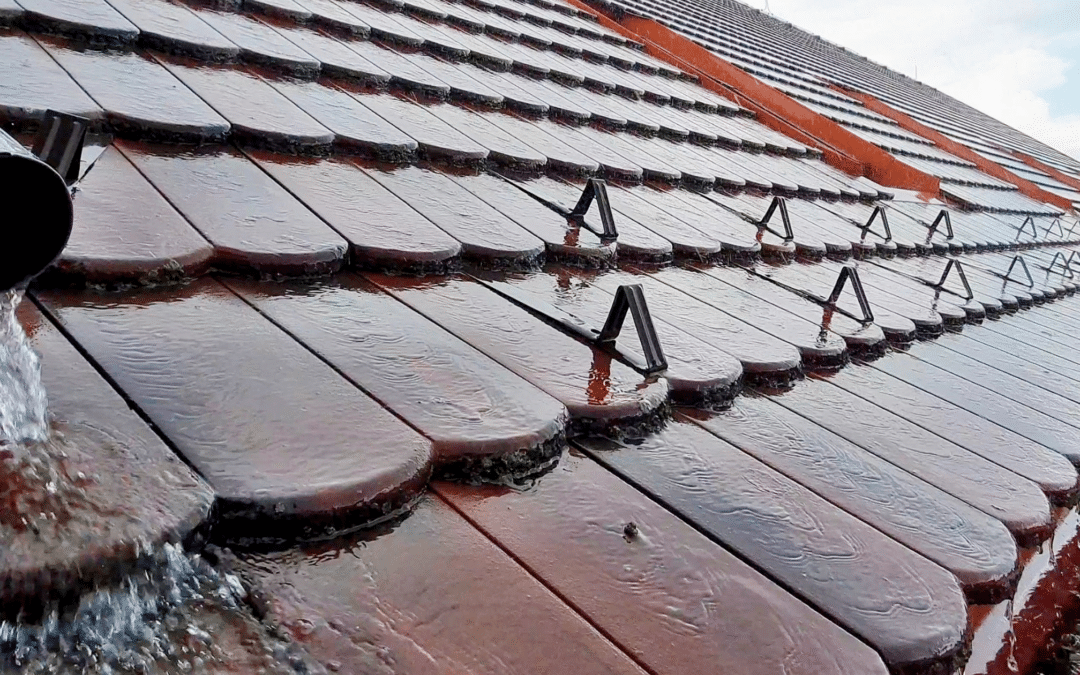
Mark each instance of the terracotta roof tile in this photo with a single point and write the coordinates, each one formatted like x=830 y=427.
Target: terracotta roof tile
x=330 y=249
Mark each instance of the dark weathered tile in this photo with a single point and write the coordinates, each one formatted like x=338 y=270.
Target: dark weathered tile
x=32 y=82
x=356 y=128
x=10 y=12
x=93 y=20
x=125 y=231
x=437 y=140
x=139 y=96
x=335 y=16
x=210 y=372
x=172 y=27
x=258 y=114
x=656 y=586
x=260 y=43
x=254 y=225
x=920 y=617
x=417 y=598
x=597 y=390
x=403 y=72
x=975 y=547
x=561 y=156
x=480 y=417
x=504 y=148
x=335 y=56
x=486 y=235
x=384 y=233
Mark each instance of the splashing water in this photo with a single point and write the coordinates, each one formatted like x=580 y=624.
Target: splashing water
x=175 y=614
x=23 y=403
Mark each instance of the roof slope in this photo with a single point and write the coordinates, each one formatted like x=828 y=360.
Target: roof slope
x=328 y=250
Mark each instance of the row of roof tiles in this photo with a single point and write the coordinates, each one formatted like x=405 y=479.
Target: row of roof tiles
x=262 y=387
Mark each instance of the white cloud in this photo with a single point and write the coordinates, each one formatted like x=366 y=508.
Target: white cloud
x=1002 y=57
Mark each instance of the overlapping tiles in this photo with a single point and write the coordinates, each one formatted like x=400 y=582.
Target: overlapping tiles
x=413 y=146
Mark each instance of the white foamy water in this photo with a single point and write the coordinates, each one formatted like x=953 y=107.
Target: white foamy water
x=23 y=402
x=168 y=617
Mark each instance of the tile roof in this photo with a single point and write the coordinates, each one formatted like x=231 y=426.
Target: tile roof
x=334 y=256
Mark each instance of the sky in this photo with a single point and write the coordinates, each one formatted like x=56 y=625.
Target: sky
x=1016 y=60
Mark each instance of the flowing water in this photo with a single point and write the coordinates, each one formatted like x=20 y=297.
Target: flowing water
x=23 y=403
x=170 y=612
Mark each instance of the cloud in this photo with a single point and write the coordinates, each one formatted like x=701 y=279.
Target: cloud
x=1003 y=57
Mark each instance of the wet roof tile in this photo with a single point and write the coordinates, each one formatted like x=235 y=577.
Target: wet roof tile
x=448 y=371
x=859 y=336
x=134 y=490
x=503 y=147
x=561 y=156
x=987 y=403
x=285 y=9
x=818 y=348
x=358 y=207
x=437 y=140
x=257 y=112
x=288 y=460
x=139 y=96
x=260 y=43
x=125 y=231
x=597 y=390
x=475 y=412
x=976 y=547
x=172 y=27
x=382 y=25
x=356 y=128
x=635 y=242
x=747 y=506
x=570 y=529
x=1015 y=501
x=564 y=240
x=403 y=72
x=253 y=223
x=10 y=11
x=698 y=372
x=95 y=20
x=487 y=236
x=337 y=58
x=335 y=16
x=359 y=611
x=33 y=82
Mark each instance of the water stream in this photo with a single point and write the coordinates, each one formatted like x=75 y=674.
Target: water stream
x=171 y=612
x=23 y=402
